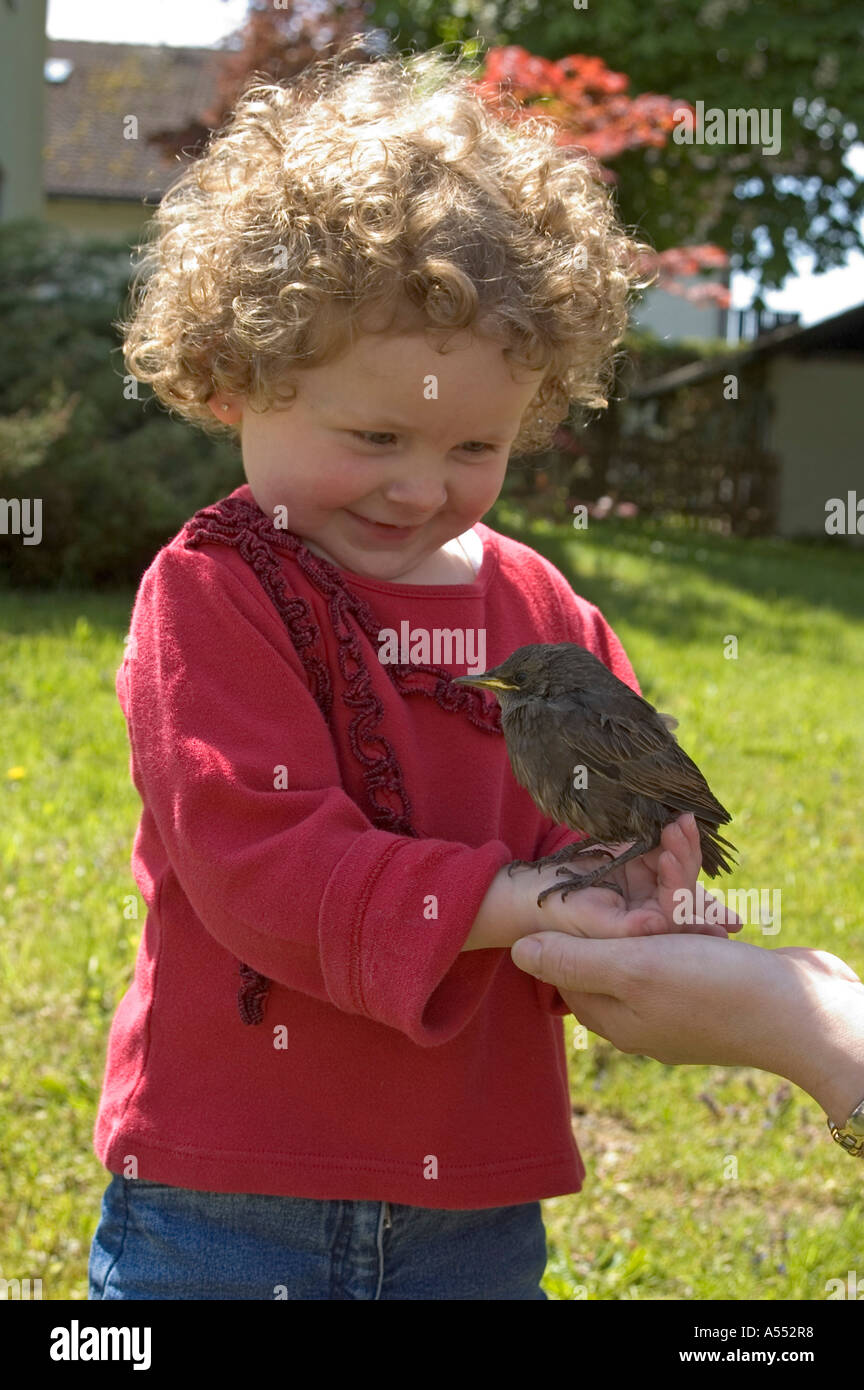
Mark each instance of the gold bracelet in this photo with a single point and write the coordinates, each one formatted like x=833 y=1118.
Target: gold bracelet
x=850 y=1136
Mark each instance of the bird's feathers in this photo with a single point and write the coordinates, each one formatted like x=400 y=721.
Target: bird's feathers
x=602 y=739
x=562 y=708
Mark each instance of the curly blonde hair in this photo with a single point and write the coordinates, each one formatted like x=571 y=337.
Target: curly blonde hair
x=385 y=185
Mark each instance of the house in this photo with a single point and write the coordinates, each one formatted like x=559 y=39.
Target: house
x=102 y=101
x=74 y=122
x=101 y=175
x=768 y=433
x=760 y=440
x=677 y=318
x=96 y=172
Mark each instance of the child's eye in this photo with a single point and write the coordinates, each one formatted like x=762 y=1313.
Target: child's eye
x=474 y=446
x=373 y=436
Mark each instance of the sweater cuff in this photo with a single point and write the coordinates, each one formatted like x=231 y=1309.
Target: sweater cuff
x=395 y=915
x=550 y=1000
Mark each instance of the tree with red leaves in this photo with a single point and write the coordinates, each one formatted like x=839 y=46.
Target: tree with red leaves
x=592 y=110
x=588 y=102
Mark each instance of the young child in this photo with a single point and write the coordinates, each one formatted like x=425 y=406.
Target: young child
x=328 y=1078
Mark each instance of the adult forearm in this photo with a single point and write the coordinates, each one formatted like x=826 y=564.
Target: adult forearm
x=829 y=1063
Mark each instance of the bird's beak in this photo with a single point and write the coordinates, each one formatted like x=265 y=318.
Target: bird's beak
x=489 y=682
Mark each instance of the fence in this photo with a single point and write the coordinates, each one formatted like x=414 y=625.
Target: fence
x=728 y=488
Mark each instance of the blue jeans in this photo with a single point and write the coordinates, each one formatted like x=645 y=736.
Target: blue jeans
x=160 y=1242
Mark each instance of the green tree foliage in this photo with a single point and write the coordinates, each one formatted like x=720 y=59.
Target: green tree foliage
x=802 y=59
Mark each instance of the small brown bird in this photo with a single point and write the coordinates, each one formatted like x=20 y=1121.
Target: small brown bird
x=597 y=757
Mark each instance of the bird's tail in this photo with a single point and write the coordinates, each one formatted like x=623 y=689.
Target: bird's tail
x=713 y=858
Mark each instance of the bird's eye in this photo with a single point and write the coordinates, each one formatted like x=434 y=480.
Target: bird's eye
x=519 y=678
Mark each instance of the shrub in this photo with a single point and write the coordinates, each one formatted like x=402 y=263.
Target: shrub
x=117 y=476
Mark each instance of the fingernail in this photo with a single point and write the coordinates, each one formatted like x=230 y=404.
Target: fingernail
x=526 y=954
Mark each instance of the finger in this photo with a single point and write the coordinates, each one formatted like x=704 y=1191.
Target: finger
x=690 y=829
x=670 y=870
x=600 y=1013
x=591 y=966
x=702 y=907
x=675 y=892
x=689 y=911
x=600 y=913
x=714 y=909
x=681 y=838
x=640 y=877
x=707 y=929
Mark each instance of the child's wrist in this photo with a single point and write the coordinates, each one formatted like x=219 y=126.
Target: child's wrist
x=500 y=919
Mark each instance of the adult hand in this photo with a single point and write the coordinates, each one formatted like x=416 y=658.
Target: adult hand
x=700 y=999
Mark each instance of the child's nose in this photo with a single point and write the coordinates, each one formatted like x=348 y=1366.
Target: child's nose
x=418 y=494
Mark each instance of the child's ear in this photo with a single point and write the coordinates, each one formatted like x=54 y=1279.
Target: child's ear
x=227 y=409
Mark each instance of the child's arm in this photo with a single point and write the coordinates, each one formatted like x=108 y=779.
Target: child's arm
x=249 y=816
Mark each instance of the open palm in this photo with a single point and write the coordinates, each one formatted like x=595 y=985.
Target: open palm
x=648 y=885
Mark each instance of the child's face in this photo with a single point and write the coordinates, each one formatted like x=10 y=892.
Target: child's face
x=440 y=428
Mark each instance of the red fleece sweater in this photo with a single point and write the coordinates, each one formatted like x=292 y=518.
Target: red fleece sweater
x=381 y=1063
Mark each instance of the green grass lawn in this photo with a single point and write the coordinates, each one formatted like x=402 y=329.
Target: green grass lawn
x=778 y=733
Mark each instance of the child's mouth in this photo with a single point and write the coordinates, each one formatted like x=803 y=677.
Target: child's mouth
x=384 y=531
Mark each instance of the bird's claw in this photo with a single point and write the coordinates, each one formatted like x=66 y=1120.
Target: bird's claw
x=569 y=852
x=573 y=884
x=523 y=864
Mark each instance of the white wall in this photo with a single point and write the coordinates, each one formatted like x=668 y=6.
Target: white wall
x=672 y=317
x=816 y=431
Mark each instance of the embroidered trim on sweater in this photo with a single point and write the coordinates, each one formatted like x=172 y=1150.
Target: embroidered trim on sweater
x=233 y=521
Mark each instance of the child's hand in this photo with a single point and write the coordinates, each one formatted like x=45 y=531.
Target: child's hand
x=649 y=885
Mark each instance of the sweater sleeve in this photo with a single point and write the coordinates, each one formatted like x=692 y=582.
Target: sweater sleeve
x=236 y=766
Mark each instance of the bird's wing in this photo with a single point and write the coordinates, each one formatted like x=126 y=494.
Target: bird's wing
x=626 y=748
